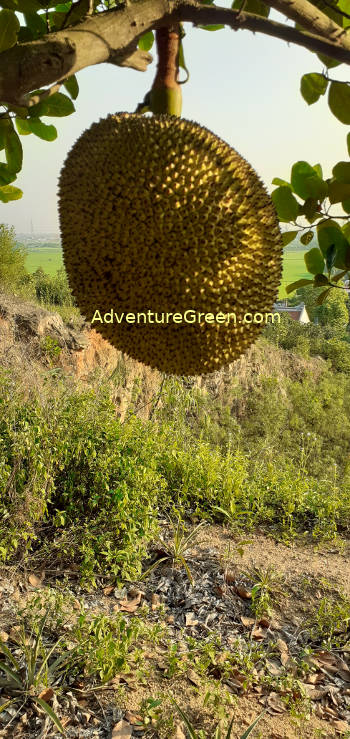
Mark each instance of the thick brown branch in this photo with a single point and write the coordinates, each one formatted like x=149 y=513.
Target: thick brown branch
x=112 y=37
x=309 y=17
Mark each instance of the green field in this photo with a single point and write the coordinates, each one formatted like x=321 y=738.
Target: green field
x=293 y=269
x=50 y=259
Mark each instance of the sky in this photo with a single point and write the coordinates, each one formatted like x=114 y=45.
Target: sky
x=245 y=87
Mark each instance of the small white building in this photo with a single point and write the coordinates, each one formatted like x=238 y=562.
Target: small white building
x=297 y=312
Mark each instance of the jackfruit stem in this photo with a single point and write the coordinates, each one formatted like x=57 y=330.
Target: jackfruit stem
x=165 y=95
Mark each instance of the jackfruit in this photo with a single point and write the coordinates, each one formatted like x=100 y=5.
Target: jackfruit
x=159 y=214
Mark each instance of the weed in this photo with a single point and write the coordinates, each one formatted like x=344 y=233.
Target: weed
x=194 y=734
x=175 y=550
x=266 y=589
x=27 y=676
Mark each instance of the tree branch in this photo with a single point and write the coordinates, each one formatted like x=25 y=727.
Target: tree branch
x=112 y=36
x=309 y=16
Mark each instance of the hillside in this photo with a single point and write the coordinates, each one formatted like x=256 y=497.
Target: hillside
x=188 y=535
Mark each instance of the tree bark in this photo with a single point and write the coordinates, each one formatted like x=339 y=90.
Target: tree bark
x=112 y=36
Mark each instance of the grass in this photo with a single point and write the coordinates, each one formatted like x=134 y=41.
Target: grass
x=49 y=258
x=293 y=269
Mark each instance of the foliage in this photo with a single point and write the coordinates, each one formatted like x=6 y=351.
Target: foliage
x=12 y=258
x=193 y=734
x=52 y=290
x=77 y=484
x=27 y=676
x=176 y=550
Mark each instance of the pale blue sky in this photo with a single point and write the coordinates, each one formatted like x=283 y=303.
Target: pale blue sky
x=244 y=87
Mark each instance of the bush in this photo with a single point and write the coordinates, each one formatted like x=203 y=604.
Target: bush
x=12 y=259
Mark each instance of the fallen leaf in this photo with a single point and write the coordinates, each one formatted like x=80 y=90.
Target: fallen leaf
x=108 y=590
x=315 y=678
x=34 y=581
x=273 y=667
x=258 y=633
x=219 y=590
x=193 y=677
x=314 y=693
x=170 y=619
x=131 y=605
x=248 y=622
x=4 y=636
x=243 y=592
x=155 y=601
x=46 y=694
x=179 y=732
x=122 y=730
x=265 y=622
x=283 y=650
x=275 y=703
x=343 y=674
x=133 y=718
x=230 y=578
x=190 y=620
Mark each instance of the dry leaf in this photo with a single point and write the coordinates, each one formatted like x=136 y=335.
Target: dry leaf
x=155 y=601
x=170 y=619
x=243 y=592
x=179 y=732
x=314 y=693
x=190 y=620
x=133 y=718
x=315 y=678
x=248 y=622
x=343 y=674
x=230 y=577
x=108 y=590
x=193 y=677
x=34 y=581
x=258 y=633
x=275 y=703
x=283 y=650
x=131 y=605
x=4 y=636
x=46 y=694
x=122 y=730
x=265 y=622
x=273 y=667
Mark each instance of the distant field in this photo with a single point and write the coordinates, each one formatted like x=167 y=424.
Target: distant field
x=293 y=269
x=50 y=259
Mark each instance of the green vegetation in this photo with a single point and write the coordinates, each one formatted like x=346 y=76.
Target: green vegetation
x=47 y=258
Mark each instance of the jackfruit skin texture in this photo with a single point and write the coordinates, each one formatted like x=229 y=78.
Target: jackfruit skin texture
x=157 y=213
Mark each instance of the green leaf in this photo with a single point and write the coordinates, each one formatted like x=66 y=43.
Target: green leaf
x=48 y=710
x=312 y=86
x=3 y=666
x=285 y=203
x=7 y=193
x=289 y=236
x=36 y=24
x=48 y=133
x=322 y=297
x=328 y=235
x=348 y=143
x=253 y=6
x=339 y=101
x=307 y=237
x=278 y=181
x=212 y=27
x=146 y=41
x=346 y=205
x=346 y=230
x=71 y=85
x=299 y=283
x=320 y=280
x=56 y=105
x=22 y=126
x=252 y=726
x=5 y=125
x=9 y=27
x=341 y=172
x=310 y=209
x=337 y=192
x=328 y=61
x=9 y=655
x=330 y=256
x=314 y=261
x=318 y=170
x=5 y=175
x=13 y=150
x=306 y=183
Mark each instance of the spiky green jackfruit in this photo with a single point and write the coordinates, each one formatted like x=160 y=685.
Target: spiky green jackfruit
x=158 y=214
